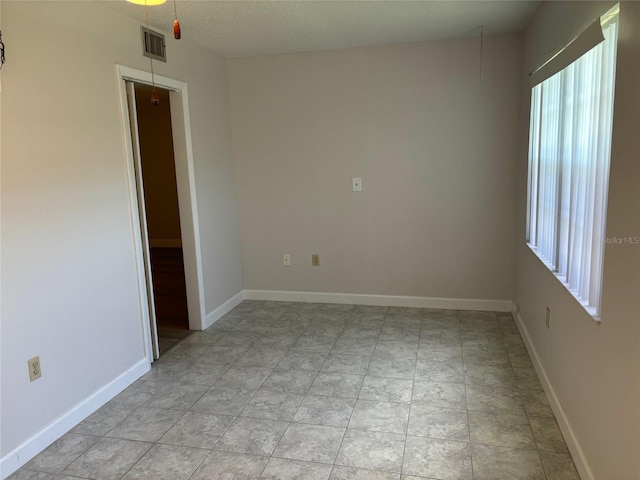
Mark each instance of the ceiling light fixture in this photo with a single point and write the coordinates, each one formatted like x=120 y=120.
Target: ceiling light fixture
x=149 y=3
x=152 y=3
x=176 y=34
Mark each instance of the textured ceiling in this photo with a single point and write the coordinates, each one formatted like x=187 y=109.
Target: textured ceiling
x=239 y=28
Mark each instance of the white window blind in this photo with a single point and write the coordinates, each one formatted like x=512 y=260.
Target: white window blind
x=569 y=151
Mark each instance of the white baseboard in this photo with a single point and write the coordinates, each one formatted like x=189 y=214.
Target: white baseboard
x=384 y=300
x=579 y=458
x=223 y=309
x=65 y=422
x=165 y=242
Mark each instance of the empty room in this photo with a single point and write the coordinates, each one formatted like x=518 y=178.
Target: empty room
x=332 y=240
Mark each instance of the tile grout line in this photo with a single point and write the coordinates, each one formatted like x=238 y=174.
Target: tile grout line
x=171 y=376
x=354 y=404
x=466 y=401
x=271 y=456
x=413 y=383
x=245 y=405
x=234 y=417
x=346 y=428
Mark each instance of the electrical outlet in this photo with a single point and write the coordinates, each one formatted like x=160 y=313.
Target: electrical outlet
x=315 y=260
x=34 y=368
x=548 y=319
x=286 y=260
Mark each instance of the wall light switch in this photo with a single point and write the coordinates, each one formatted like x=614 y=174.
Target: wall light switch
x=286 y=260
x=356 y=184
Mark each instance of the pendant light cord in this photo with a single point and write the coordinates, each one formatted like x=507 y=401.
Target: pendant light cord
x=176 y=24
x=154 y=95
x=481 y=52
x=1 y=51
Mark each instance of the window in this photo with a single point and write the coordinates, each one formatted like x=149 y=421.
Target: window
x=569 y=151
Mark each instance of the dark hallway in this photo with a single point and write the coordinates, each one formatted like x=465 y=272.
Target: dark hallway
x=170 y=296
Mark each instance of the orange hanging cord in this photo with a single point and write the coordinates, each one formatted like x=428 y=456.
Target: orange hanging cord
x=176 y=23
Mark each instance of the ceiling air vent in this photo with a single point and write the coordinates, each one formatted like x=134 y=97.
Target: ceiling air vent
x=153 y=45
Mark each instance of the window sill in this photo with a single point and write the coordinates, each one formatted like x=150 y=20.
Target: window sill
x=591 y=311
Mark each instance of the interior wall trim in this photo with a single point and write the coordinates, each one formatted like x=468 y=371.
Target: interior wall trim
x=385 y=300
x=223 y=309
x=65 y=422
x=579 y=458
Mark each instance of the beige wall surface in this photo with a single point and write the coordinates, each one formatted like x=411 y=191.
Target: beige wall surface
x=594 y=369
x=69 y=281
x=435 y=150
x=158 y=165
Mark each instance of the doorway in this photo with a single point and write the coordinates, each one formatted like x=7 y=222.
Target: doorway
x=172 y=245
x=162 y=211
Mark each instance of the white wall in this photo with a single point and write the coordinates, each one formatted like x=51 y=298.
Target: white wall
x=593 y=370
x=69 y=290
x=436 y=217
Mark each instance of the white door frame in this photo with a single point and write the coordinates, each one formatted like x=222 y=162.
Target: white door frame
x=187 y=202
x=144 y=231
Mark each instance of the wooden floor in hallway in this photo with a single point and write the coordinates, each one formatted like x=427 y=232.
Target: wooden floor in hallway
x=170 y=295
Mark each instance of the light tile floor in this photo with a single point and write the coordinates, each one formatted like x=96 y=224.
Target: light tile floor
x=280 y=391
